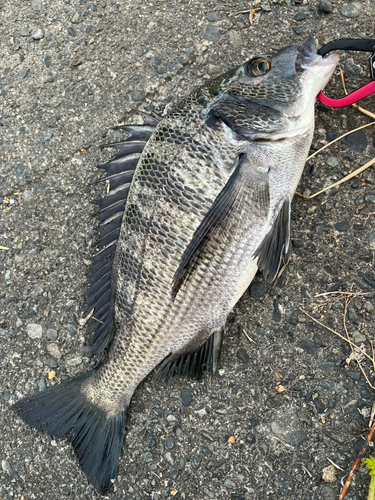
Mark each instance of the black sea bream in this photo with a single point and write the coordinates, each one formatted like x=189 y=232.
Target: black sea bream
x=199 y=201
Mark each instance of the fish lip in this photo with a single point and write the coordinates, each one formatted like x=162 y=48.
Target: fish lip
x=307 y=56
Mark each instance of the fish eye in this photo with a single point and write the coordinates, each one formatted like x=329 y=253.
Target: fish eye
x=257 y=67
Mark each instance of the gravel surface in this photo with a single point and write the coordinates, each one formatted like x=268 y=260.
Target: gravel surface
x=71 y=72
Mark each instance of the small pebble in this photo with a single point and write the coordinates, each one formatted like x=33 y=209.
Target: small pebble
x=207 y=435
x=74 y=361
x=213 y=17
x=37 y=34
x=308 y=346
x=5 y=465
x=243 y=356
x=295 y=438
x=169 y=442
x=51 y=362
x=332 y=161
x=34 y=331
x=211 y=33
x=328 y=493
x=186 y=397
x=42 y=385
x=285 y=481
x=250 y=438
x=54 y=351
x=349 y=10
x=146 y=457
x=256 y=290
x=300 y=16
x=356 y=141
x=229 y=484
x=195 y=462
x=36 y=5
x=51 y=334
x=138 y=95
x=206 y=452
x=353 y=375
x=369 y=197
x=319 y=406
x=342 y=226
x=325 y=6
x=158 y=412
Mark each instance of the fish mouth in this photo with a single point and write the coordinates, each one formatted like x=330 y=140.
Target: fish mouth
x=307 y=56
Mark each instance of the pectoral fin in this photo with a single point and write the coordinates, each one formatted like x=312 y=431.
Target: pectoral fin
x=245 y=181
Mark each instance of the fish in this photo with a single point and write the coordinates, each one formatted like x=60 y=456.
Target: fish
x=199 y=200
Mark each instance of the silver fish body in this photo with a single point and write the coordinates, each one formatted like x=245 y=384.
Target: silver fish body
x=208 y=205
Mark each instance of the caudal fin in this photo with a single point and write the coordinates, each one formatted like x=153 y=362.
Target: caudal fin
x=96 y=438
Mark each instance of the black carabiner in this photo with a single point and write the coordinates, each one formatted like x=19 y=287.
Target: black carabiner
x=363 y=45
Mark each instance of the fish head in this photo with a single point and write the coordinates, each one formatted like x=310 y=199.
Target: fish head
x=288 y=79
x=281 y=88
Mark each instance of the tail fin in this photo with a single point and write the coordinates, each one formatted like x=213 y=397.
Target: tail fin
x=96 y=438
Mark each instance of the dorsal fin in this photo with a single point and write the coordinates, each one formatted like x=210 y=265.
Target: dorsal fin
x=120 y=170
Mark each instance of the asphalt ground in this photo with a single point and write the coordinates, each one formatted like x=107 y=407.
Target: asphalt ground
x=70 y=73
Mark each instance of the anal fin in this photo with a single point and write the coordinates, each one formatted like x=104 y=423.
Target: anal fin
x=190 y=362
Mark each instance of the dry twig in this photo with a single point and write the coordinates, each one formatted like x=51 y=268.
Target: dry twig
x=249 y=338
x=338 y=334
x=335 y=465
x=356 y=463
x=240 y=12
x=346 y=178
x=282 y=442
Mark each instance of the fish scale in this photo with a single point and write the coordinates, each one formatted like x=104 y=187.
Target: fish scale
x=199 y=200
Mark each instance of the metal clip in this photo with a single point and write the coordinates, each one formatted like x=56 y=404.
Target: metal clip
x=364 y=45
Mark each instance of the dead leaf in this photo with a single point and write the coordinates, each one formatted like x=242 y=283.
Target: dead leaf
x=329 y=474
x=51 y=375
x=232 y=439
x=280 y=388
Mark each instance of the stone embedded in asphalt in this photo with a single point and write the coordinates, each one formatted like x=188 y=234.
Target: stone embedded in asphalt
x=295 y=438
x=319 y=406
x=350 y=10
x=300 y=16
x=256 y=290
x=34 y=331
x=285 y=481
x=211 y=33
x=186 y=397
x=250 y=438
x=356 y=141
x=243 y=356
x=353 y=375
x=213 y=17
x=342 y=226
x=308 y=346
x=325 y=6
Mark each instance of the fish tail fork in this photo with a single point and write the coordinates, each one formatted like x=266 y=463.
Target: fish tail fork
x=96 y=437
